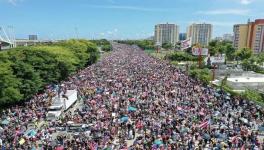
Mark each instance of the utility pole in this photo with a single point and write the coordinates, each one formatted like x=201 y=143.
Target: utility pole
x=198 y=46
x=213 y=78
x=76 y=32
x=200 y=57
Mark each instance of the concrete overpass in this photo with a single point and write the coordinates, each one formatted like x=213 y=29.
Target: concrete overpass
x=7 y=38
x=26 y=42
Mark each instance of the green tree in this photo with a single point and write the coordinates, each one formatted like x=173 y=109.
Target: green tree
x=180 y=56
x=167 y=46
x=24 y=71
x=230 y=52
x=213 y=47
x=253 y=95
x=9 y=86
x=30 y=80
x=244 y=53
x=106 y=48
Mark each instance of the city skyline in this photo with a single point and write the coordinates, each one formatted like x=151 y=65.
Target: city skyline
x=122 y=19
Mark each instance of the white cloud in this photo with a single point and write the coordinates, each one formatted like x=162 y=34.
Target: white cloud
x=14 y=2
x=109 y=32
x=242 y=12
x=215 y=23
x=111 y=1
x=246 y=2
x=130 y=8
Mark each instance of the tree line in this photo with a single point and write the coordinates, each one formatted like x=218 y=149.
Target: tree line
x=144 y=44
x=104 y=44
x=25 y=71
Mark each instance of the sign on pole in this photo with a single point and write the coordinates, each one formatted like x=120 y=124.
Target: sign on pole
x=200 y=51
x=217 y=59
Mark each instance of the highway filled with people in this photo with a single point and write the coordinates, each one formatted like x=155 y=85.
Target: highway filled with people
x=129 y=100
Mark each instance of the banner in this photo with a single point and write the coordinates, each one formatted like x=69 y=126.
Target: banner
x=200 y=51
x=214 y=60
x=217 y=60
x=186 y=44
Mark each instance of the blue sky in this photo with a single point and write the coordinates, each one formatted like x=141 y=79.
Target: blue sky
x=122 y=19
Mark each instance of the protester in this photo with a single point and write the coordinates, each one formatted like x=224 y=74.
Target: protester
x=133 y=101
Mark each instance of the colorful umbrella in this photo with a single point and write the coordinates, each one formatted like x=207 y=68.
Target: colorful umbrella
x=261 y=128
x=31 y=133
x=132 y=99
x=60 y=148
x=5 y=122
x=130 y=108
x=124 y=119
x=158 y=142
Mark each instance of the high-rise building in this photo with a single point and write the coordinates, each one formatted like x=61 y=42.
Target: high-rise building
x=240 y=36
x=182 y=36
x=166 y=33
x=250 y=35
x=33 y=37
x=256 y=36
x=218 y=38
x=200 y=33
x=228 y=37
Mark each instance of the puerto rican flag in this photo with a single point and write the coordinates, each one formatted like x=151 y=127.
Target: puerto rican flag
x=93 y=146
x=186 y=44
x=205 y=124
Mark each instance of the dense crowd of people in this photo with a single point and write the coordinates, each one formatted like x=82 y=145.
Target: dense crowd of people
x=132 y=101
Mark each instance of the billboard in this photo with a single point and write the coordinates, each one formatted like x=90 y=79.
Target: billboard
x=200 y=51
x=217 y=59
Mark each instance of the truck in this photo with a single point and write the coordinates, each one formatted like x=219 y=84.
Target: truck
x=61 y=104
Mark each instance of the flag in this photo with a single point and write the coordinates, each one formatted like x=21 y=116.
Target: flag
x=93 y=146
x=243 y=147
x=186 y=44
x=205 y=124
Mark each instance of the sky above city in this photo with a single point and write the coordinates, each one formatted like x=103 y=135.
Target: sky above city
x=121 y=19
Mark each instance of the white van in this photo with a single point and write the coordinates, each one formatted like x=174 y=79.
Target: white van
x=54 y=112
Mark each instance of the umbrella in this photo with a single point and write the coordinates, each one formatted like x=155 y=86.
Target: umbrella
x=18 y=132
x=206 y=136
x=158 y=142
x=184 y=130
x=217 y=113
x=132 y=99
x=93 y=102
x=22 y=141
x=223 y=127
x=261 y=128
x=217 y=94
x=227 y=97
x=130 y=108
x=201 y=113
x=179 y=108
x=210 y=104
x=124 y=119
x=60 y=148
x=31 y=133
x=5 y=122
x=99 y=90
